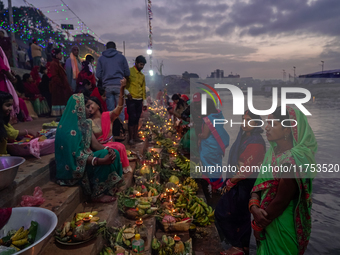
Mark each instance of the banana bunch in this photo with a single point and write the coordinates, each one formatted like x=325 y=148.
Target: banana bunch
x=191 y=182
x=202 y=213
x=166 y=142
x=107 y=251
x=184 y=165
x=196 y=208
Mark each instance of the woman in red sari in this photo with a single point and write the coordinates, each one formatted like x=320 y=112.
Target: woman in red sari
x=85 y=74
x=102 y=126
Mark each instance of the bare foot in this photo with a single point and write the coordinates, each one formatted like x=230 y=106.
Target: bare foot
x=104 y=199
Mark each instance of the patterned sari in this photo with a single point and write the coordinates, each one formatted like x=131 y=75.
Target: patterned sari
x=290 y=232
x=212 y=148
x=72 y=149
x=232 y=214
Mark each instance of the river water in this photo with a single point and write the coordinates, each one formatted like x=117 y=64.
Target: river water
x=325 y=122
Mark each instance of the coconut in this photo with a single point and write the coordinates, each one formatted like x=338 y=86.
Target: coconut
x=174 y=179
x=128 y=236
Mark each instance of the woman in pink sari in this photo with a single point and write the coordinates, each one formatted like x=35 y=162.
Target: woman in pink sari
x=6 y=80
x=102 y=125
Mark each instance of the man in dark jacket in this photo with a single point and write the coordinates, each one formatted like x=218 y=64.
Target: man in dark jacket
x=111 y=68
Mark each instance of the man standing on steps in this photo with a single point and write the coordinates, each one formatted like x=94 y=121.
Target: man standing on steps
x=73 y=67
x=36 y=53
x=111 y=68
x=136 y=94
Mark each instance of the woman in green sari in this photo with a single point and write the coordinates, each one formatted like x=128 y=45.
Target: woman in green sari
x=281 y=198
x=80 y=158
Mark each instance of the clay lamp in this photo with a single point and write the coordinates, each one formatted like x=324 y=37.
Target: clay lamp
x=139 y=222
x=138 y=194
x=87 y=219
x=177 y=238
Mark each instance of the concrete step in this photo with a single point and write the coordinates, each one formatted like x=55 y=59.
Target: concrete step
x=62 y=204
x=33 y=172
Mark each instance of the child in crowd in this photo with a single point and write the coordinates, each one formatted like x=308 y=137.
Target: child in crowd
x=86 y=88
x=7 y=132
x=32 y=92
x=25 y=104
x=44 y=86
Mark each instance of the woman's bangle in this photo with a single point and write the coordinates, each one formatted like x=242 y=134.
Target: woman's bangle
x=106 y=148
x=93 y=159
x=253 y=201
x=96 y=162
x=230 y=184
x=256 y=227
x=120 y=106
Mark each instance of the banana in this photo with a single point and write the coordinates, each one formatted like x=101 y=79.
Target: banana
x=211 y=214
x=206 y=219
x=17 y=233
x=202 y=210
x=21 y=235
x=193 y=207
x=196 y=210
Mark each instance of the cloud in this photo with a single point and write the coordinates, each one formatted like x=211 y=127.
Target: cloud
x=286 y=17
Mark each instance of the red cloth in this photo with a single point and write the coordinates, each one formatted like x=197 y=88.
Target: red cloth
x=31 y=89
x=185 y=98
x=96 y=94
x=35 y=75
x=106 y=128
x=253 y=155
x=126 y=114
x=3 y=67
x=48 y=66
x=84 y=75
x=5 y=214
x=35 y=200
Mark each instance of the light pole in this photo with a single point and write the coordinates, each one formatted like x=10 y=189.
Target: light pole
x=294 y=71
x=322 y=63
x=10 y=14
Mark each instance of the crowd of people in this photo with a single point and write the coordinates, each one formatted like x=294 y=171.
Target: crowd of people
x=90 y=104
x=278 y=202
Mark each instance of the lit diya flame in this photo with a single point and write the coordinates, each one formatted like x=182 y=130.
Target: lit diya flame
x=139 y=222
x=138 y=194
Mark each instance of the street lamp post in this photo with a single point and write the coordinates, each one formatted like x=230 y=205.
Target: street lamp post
x=322 y=63
x=11 y=22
